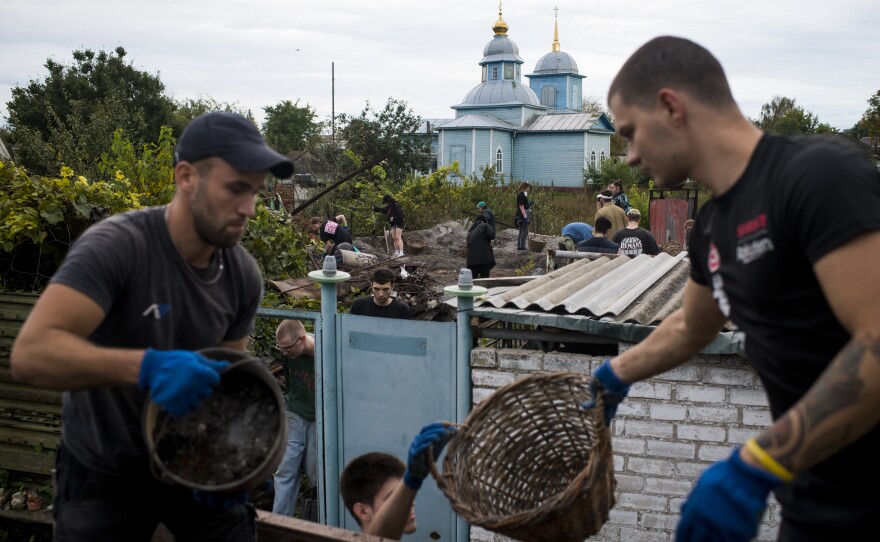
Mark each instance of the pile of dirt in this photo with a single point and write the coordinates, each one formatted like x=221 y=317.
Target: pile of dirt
x=445 y=250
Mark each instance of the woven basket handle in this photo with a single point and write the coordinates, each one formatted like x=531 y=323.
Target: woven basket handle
x=432 y=463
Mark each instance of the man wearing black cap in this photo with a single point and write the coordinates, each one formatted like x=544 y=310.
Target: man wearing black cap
x=121 y=320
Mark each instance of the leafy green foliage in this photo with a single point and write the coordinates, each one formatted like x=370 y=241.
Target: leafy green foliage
x=390 y=133
x=613 y=169
x=869 y=124
x=291 y=127
x=70 y=116
x=278 y=248
x=188 y=109
x=148 y=173
x=41 y=216
x=783 y=116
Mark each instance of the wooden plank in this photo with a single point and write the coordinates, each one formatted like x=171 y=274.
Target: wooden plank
x=26 y=516
x=22 y=459
x=274 y=528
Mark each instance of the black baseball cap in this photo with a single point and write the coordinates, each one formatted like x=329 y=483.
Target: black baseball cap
x=233 y=138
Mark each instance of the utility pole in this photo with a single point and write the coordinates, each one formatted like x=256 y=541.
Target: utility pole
x=333 y=101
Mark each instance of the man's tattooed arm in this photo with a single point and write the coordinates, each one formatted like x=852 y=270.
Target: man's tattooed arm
x=842 y=405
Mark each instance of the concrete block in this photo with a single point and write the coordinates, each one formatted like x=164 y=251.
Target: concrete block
x=567 y=363
x=651 y=466
x=712 y=414
x=668 y=486
x=672 y=450
x=665 y=411
x=628 y=446
x=623 y=517
x=701 y=394
x=682 y=373
x=640 y=502
x=647 y=390
x=658 y=521
x=686 y=469
x=486 y=378
x=728 y=377
x=632 y=535
x=710 y=452
x=632 y=409
x=748 y=397
x=481 y=394
x=758 y=418
x=629 y=482
x=740 y=436
x=483 y=357
x=634 y=428
x=618 y=462
x=521 y=361
x=708 y=433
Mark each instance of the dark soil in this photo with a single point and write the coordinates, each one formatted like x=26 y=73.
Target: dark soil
x=226 y=439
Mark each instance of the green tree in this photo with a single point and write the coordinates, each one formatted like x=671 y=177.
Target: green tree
x=783 y=116
x=291 y=127
x=599 y=177
x=869 y=124
x=391 y=134
x=189 y=108
x=70 y=116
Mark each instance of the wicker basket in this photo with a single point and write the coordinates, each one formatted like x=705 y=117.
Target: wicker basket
x=531 y=464
x=415 y=246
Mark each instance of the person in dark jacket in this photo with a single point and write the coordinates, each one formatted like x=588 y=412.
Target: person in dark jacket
x=521 y=215
x=485 y=210
x=480 y=257
x=394 y=213
x=331 y=232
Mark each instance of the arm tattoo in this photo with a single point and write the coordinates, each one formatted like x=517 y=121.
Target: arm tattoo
x=841 y=406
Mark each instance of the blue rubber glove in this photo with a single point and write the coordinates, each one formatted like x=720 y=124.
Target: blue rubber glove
x=435 y=436
x=179 y=380
x=611 y=387
x=727 y=502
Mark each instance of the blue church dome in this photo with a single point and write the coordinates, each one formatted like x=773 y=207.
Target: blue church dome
x=501 y=92
x=556 y=62
x=501 y=48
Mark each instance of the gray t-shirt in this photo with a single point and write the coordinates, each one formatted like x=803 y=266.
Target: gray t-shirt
x=152 y=298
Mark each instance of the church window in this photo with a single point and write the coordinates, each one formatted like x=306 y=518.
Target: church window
x=593 y=159
x=494 y=72
x=483 y=80
x=499 y=161
x=601 y=158
x=548 y=96
x=508 y=71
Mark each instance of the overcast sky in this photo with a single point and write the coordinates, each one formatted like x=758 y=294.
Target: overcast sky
x=825 y=54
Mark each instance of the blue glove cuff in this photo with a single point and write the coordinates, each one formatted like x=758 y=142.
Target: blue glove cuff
x=610 y=381
x=147 y=364
x=411 y=481
x=760 y=479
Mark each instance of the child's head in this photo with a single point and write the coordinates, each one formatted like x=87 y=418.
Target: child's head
x=367 y=482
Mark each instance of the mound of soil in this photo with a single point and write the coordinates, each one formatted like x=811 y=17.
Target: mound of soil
x=224 y=440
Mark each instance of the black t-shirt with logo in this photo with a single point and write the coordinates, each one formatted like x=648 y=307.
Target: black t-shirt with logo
x=755 y=247
x=636 y=241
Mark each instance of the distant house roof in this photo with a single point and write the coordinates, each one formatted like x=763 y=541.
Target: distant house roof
x=609 y=296
x=477 y=121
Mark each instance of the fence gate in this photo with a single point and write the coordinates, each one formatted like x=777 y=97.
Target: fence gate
x=394 y=377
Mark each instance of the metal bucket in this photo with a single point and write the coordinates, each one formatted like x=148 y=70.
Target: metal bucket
x=243 y=374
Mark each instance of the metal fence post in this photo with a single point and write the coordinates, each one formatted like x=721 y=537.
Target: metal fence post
x=328 y=278
x=464 y=292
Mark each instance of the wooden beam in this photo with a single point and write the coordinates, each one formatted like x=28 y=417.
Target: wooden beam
x=275 y=528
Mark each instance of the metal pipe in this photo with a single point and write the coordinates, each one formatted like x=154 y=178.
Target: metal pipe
x=327 y=369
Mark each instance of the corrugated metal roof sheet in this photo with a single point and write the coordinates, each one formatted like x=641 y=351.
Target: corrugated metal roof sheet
x=570 y=122
x=643 y=290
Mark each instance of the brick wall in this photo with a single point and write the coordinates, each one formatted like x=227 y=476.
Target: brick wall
x=666 y=432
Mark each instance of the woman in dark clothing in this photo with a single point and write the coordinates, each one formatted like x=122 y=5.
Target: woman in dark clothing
x=395 y=217
x=331 y=232
x=480 y=257
x=521 y=217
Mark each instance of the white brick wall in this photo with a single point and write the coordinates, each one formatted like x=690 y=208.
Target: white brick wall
x=666 y=433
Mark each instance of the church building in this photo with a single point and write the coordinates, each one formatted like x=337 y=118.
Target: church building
x=536 y=132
